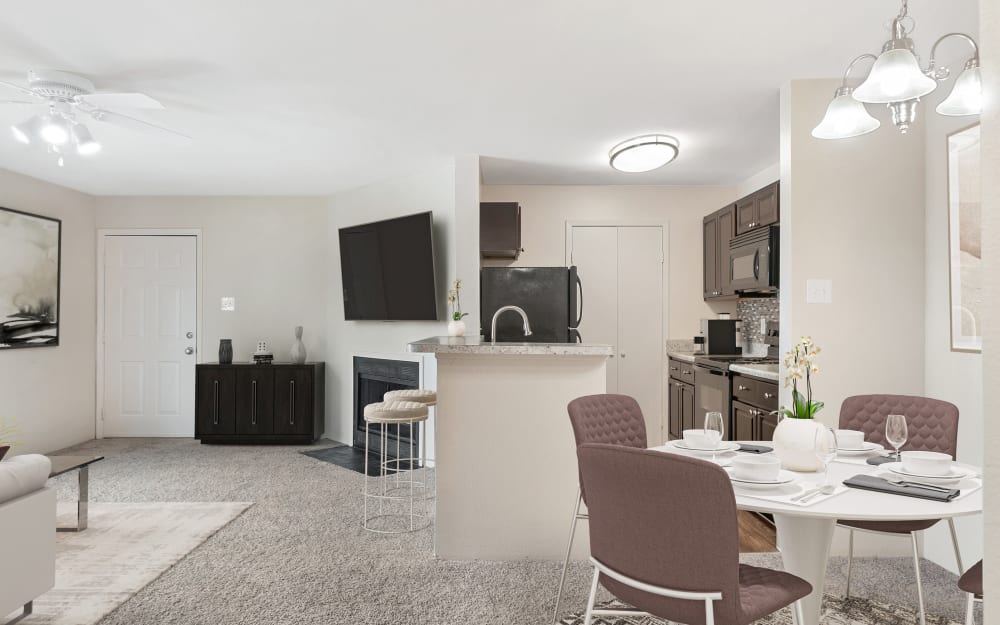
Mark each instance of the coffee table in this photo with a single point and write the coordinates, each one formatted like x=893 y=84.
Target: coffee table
x=65 y=464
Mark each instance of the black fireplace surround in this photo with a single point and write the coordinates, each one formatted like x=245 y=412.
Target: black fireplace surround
x=373 y=378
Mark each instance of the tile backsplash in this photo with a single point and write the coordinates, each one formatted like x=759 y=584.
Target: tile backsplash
x=751 y=311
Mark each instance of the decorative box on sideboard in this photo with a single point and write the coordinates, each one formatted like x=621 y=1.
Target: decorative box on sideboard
x=250 y=403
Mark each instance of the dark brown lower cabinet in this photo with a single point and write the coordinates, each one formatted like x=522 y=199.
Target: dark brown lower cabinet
x=754 y=401
x=681 y=409
x=249 y=403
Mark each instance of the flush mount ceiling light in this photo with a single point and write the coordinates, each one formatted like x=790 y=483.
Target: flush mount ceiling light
x=644 y=153
x=897 y=80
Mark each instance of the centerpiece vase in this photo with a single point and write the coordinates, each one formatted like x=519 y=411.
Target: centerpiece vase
x=794 y=444
x=456 y=328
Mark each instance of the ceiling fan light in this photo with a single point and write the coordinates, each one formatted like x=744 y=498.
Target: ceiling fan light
x=845 y=117
x=966 y=97
x=54 y=130
x=85 y=142
x=894 y=77
x=23 y=131
x=644 y=153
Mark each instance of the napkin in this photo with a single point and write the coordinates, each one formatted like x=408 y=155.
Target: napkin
x=755 y=449
x=878 y=484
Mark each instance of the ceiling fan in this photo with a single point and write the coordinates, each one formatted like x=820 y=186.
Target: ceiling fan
x=71 y=98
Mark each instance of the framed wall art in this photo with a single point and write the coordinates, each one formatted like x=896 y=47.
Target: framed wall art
x=30 y=249
x=965 y=240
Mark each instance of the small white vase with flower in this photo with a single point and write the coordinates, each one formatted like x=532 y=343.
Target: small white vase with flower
x=795 y=434
x=456 y=326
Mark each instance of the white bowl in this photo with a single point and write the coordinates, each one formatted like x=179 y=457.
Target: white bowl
x=702 y=439
x=765 y=467
x=926 y=462
x=850 y=439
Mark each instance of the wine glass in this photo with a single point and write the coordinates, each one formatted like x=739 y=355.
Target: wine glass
x=895 y=431
x=714 y=423
x=825 y=448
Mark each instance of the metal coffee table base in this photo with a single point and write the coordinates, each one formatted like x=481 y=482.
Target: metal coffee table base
x=81 y=505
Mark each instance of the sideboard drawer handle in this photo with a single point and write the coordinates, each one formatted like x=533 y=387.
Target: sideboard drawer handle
x=253 y=403
x=291 y=403
x=742 y=388
x=215 y=404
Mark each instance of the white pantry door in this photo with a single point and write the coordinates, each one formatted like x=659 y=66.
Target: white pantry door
x=150 y=316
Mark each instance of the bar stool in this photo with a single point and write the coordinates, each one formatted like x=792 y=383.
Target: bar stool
x=385 y=414
x=421 y=396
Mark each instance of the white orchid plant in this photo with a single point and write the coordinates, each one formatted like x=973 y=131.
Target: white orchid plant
x=455 y=301
x=800 y=365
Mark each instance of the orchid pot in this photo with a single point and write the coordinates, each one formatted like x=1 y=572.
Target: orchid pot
x=795 y=434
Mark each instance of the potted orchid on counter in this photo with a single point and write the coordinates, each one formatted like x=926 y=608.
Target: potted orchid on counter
x=795 y=434
x=456 y=327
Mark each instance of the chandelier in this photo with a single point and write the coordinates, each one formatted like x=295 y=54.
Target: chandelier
x=897 y=80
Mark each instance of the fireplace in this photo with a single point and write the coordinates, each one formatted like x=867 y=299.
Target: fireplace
x=373 y=378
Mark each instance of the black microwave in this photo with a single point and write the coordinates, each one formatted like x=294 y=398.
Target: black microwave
x=753 y=261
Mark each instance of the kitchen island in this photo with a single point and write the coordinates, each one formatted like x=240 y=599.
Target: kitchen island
x=505 y=454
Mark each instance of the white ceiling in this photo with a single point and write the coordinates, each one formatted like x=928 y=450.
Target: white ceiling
x=308 y=97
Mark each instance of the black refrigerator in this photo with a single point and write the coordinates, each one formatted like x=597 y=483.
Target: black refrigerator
x=552 y=297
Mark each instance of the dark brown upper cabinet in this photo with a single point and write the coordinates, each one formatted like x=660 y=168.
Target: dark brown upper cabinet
x=717 y=231
x=500 y=230
x=758 y=209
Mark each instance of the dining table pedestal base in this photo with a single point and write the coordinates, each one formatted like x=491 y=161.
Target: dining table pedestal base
x=804 y=543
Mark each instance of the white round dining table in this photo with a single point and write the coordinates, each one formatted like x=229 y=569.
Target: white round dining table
x=805 y=533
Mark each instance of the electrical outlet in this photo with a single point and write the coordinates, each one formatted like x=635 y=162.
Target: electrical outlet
x=819 y=291
x=229 y=304
x=763 y=326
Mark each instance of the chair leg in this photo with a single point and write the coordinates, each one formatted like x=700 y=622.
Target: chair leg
x=920 y=587
x=970 y=610
x=797 y=618
x=589 y=615
x=954 y=542
x=850 y=559
x=569 y=548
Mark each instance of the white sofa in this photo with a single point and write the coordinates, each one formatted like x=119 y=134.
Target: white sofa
x=27 y=533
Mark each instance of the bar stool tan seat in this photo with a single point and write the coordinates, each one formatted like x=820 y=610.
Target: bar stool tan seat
x=421 y=396
x=390 y=489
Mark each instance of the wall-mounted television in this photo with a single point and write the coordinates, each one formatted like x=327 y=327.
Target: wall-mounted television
x=388 y=270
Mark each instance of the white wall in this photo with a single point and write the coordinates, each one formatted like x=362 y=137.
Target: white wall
x=989 y=31
x=49 y=391
x=758 y=181
x=546 y=209
x=441 y=187
x=267 y=252
x=951 y=376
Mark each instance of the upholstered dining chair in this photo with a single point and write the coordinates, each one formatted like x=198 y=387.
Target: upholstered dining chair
x=612 y=419
x=932 y=425
x=664 y=538
x=972 y=583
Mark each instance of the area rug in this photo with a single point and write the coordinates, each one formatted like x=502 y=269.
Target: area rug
x=125 y=547
x=836 y=611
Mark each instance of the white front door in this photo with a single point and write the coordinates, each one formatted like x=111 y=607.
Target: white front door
x=150 y=316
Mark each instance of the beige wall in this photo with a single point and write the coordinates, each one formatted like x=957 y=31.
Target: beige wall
x=989 y=31
x=948 y=375
x=546 y=209
x=49 y=391
x=267 y=252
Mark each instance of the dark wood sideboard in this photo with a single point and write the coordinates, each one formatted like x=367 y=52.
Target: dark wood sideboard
x=250 y=403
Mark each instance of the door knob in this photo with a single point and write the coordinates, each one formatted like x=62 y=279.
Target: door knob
x=190 y=335
x=623 y=354
x=189 y=350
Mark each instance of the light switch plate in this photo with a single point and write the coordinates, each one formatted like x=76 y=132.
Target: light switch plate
x=819 y=291
x=229 y=303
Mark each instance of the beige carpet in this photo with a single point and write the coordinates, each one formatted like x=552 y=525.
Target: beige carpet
x=125 y=547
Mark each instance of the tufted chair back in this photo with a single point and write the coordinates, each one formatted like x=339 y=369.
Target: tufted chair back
x=932 y=424
x=610 y=419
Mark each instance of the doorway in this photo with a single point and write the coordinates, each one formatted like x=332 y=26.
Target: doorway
x=621 y=268
x=148 y=334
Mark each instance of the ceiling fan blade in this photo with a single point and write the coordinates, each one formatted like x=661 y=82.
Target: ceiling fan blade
x=133 y=123
x=120 y=100
x=17 y=87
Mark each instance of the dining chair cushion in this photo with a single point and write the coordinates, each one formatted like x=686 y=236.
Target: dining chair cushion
x=972 y=580
x=932 y=424
x=891 y=527
x=671 y=521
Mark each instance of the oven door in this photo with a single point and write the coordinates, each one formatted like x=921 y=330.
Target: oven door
x=712 y=393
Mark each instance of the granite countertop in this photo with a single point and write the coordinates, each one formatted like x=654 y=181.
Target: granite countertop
x=476 y=345
x=764 y=372
x=685 y=356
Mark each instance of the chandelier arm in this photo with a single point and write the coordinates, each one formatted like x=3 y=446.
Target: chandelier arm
x=850 y=68
x=941 y=73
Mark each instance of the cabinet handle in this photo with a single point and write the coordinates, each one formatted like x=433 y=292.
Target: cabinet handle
x=215 y=403
x=253 y=403
x=742 y=388
x=768 y=395
x=673 y=368
x=291 y=403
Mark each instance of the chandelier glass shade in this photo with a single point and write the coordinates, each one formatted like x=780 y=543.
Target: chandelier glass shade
x=57 y=130
x=895 y=77
x=966 y=96
x=845 y=117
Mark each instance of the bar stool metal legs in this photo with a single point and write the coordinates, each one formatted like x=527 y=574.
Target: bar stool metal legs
x=396 y=487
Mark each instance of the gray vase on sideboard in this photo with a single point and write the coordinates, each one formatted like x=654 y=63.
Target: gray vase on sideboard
x=298 y=353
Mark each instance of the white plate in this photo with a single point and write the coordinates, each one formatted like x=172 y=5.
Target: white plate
x=724 y=447
x=957 y=474
x=867 y=449
x=784 y=477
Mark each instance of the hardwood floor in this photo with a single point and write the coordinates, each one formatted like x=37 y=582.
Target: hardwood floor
x=756 y=534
